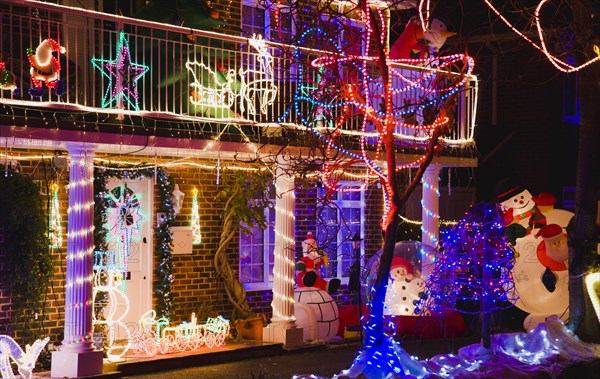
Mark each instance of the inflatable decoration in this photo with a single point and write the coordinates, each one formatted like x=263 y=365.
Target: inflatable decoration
x=317 y=313
x=413 y=43
x=45 y=67
x=309 y=265
x=405 y=284
x=537 y=232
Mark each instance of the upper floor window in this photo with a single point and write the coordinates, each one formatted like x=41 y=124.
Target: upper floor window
x=347 y=30
x=338 y=220
x=260 y=17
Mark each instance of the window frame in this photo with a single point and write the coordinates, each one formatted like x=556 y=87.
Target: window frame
x=267 y=28
x=267 y=281
x=340 y=205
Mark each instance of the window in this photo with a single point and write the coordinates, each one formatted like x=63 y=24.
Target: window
x=347 y=31
x=260 y=19
x=338 y=221
x=257 y=254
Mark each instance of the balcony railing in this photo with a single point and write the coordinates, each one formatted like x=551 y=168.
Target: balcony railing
x=113 y=64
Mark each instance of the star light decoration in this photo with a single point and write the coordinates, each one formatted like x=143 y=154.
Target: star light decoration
x=122 y=75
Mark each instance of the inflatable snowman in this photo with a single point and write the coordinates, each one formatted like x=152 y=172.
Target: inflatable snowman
x=537 y=232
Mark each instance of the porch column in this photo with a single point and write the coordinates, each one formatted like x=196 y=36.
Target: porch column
x=283 y=326
x=77 y=357
x=430 y=231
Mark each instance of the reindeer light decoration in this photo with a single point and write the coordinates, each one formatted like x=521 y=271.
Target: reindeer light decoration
x=25 y=360
x=261 y=87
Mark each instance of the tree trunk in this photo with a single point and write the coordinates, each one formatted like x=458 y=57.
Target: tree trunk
x=581 y=229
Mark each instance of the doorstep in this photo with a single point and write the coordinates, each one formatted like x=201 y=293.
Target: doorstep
x=230 y=352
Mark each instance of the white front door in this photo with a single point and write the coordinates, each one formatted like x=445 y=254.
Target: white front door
x=136 y=246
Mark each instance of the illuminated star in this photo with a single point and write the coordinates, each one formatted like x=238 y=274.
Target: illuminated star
x=125 y=74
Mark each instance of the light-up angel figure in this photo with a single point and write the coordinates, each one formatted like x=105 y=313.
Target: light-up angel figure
x=196 y=235
x=54 y=224
x=123 y=221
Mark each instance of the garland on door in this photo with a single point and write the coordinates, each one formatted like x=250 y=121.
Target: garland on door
x=163 y=249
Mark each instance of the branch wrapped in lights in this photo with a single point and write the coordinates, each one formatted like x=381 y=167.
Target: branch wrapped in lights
x=338 y=97
x=474 y=265
x=163 y=249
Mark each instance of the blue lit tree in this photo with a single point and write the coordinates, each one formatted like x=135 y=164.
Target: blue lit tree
x=473 y=269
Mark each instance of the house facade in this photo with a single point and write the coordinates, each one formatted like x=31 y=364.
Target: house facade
x=153 y=120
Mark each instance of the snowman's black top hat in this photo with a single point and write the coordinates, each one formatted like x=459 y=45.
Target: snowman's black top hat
x=507 y=188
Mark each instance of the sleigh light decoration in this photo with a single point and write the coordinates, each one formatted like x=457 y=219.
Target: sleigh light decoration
x=157 y=337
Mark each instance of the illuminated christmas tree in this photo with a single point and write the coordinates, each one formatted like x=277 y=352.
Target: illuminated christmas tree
x=473 y=269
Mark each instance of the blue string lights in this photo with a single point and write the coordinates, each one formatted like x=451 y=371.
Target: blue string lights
x=474 y=266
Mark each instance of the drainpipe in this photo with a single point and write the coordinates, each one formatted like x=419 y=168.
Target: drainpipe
x=494 y=82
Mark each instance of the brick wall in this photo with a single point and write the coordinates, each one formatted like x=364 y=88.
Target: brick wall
x=43 y=174
x=195 y=286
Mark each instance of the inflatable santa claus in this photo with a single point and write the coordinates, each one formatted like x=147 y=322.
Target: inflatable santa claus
x=309 y=266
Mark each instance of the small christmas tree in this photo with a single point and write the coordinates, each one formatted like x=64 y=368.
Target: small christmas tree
x=474 y=267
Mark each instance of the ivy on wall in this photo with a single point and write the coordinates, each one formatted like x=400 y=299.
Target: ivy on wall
x=27 y=265
x=163 y=250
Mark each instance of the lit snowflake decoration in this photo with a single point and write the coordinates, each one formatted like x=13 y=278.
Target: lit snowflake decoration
x=124 y=218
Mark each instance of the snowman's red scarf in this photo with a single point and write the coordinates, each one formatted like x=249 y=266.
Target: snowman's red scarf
x=536 y=218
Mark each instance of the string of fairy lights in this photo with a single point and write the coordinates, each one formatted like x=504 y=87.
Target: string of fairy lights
x=131 y=165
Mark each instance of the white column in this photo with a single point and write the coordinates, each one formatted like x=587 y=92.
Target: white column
x=77 y=357
x=283 y=326
x=430 y=231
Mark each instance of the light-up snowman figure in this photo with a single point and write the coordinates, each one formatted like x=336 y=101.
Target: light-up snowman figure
x=537 y=232
x=403 y=289
x=405 y=285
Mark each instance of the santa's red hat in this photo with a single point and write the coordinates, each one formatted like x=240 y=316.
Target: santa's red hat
x=544 y=199
x=309 y=243
x=550 y=230
x=401 y=262
x=51 y=44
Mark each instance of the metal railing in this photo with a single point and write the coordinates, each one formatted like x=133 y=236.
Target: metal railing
x=125 y=66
